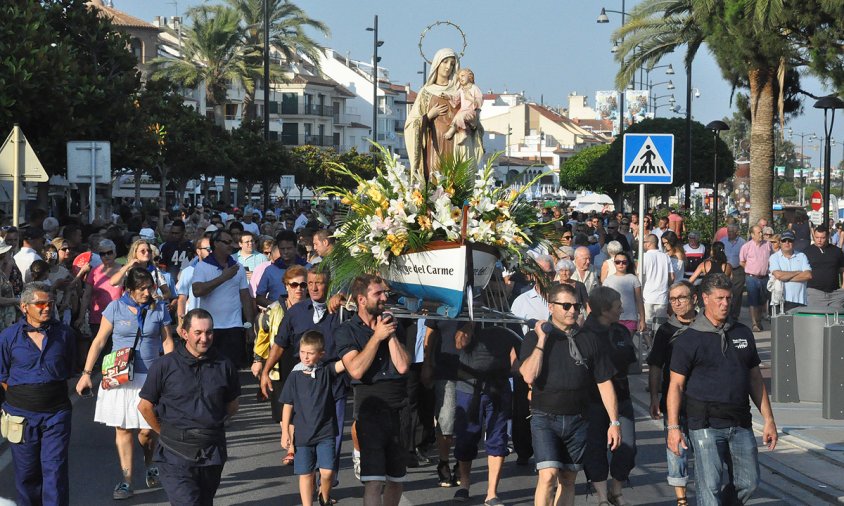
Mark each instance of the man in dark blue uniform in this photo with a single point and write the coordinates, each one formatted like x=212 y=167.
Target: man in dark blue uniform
x=311 y=314
x=36 y=360
x=187 y=397
x=715 y=366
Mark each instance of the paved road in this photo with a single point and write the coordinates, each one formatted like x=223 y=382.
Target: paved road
x=254 y=475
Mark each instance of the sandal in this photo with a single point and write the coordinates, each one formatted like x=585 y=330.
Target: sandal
x=287 y=460
x=681 y=501
x=615 y=500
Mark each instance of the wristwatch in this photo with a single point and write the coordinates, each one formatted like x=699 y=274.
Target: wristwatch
x=247 y=325
x=615 y=423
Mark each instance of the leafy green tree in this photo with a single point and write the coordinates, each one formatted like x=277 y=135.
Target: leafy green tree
x=66 y=75
x=600 y=167
x=213 y=53
x=289 y=25
x=757 y=43
x=308 y=163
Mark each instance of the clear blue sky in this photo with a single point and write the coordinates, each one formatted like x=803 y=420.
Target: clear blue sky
x=547 y=49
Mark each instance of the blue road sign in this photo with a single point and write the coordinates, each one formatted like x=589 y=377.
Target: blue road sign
x=648 y=159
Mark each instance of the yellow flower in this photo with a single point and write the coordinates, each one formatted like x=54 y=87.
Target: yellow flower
x=385 y=205
x=375 y=194
x=449 y=191
x=379 y=213
x=456 y=213
x=397 y=243
x=345 y=201
x=417 y=197
x=424 y=222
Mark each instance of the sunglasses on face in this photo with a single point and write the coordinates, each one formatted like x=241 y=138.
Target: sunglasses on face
x=42 y=304
x=296 y=286
x=106 y=253
x=786 y=240
x=621 y=262
x=568 y=305
x=681 y=298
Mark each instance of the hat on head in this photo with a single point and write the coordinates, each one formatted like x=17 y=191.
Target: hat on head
x=147 y=233
x=50 y=224
x=788 y=234
x=211 y=228
x=4 y=246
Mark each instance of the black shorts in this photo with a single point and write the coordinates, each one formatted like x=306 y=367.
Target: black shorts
x=382 y=456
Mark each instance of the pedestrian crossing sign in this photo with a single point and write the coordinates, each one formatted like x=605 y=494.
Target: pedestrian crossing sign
x=648 y=159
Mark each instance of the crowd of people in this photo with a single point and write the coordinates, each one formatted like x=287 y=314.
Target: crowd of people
x=200 y=294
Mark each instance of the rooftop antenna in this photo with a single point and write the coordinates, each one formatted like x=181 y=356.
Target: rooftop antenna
x=178 y=28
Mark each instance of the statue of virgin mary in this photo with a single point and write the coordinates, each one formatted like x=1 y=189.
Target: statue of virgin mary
x=430 y=118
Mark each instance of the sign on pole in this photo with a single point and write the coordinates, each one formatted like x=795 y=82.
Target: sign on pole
x=648 y=159
x=19 y=163
x=816 y=201
x=89 y=162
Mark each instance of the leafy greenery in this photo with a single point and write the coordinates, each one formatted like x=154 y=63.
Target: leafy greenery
x=67 y=75
x=599 y=168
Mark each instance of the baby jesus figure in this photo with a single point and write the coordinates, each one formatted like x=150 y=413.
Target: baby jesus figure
x=469 y=98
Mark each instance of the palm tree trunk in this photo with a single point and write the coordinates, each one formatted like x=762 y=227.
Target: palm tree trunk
x=762 y=103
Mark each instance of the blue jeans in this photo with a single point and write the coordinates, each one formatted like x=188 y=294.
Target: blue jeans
x=678 y=466
x=714 y=448
x=559 y=441
x=474 y=417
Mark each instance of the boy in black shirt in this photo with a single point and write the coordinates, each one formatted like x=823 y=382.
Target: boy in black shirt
x=309 y=390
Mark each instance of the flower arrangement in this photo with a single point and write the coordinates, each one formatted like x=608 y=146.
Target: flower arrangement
x=388 y=215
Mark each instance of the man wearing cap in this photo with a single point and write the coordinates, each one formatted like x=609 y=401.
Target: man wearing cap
x=827 y=261
x=175 y=252
x=793 y=269
x=32 y=241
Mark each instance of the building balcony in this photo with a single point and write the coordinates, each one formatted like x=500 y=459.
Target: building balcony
x=346 y=119
x=301 y=109
x=324 y=141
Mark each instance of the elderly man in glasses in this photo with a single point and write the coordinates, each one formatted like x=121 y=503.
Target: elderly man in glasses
x=793 y=269
x=560 y=394
x=36 y=360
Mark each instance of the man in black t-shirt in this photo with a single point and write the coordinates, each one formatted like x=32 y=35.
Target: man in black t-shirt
x=716 y=364
x=683 y=300
x=561 y=367
x=377 y=362
x=176 y=253
x=827 y=261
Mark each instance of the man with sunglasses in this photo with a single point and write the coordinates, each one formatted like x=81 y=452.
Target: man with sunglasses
x=37 y=356
x=614 y=234
x=184 y=292
x=562 y=367
x=219 y=283
x=793 y=269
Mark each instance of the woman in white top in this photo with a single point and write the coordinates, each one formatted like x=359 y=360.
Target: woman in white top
x=608 y=267
x=628 y=286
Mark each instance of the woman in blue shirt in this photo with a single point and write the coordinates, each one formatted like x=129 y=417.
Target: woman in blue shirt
x=118 y=407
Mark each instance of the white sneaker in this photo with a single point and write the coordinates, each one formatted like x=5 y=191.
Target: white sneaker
x=356 y=463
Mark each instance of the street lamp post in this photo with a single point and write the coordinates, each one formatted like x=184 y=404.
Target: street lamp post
x=716 y=127
x=603 y=18
x=266 y=114
x=802 y=136
x=375 y=59
x=827 y=104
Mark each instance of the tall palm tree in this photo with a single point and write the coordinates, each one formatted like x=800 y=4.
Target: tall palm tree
x=288 y=24
x=213 y=54
x=748 y=42
x=656 y=28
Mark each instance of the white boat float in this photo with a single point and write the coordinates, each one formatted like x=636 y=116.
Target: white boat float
x=444 y=272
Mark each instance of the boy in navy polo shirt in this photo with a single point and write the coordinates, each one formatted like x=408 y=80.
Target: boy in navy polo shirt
x=308 y=389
